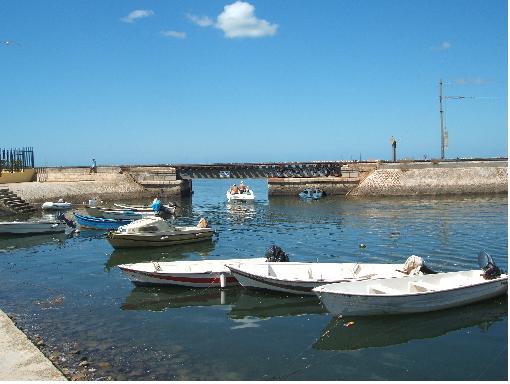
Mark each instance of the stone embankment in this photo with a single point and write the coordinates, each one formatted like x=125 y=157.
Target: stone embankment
x=76 y=185
x=435 y=178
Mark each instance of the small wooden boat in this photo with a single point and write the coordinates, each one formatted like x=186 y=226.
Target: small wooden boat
x=247 y=195
x=413 y=294
x=31 y=227
x=197 y=274
x=99 y=222
x=165 y=208
x=60 y=205
x=301 y=278
x=117 y=214
x=311 y=193
x=156 y=232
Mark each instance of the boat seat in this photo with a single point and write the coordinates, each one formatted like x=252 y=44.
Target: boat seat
x=382 y=290
x=421 y=286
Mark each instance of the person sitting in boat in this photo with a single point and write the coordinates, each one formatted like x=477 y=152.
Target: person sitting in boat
x=234 y=190
x=156 y=204
x=242 y=187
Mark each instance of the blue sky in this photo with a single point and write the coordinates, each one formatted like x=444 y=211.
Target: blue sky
x=146 y=82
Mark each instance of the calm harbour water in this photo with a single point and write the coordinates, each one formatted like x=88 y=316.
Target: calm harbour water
x=70 y=292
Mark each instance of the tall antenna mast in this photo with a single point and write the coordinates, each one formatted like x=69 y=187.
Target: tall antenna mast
x=441 y=113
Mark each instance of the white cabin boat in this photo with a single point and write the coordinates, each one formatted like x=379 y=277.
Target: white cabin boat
x=196 y=274
x=31 y=227
x=301 y=278
x=58 y=206
x=247 y=195
x=157 y=232
x=414 y=294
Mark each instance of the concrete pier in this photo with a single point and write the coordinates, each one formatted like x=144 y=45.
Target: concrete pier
x=20 y=359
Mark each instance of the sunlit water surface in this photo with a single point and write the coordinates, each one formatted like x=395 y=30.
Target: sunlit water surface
x=70 y=292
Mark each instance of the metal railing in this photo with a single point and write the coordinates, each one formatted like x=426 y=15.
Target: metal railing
x=16 y=160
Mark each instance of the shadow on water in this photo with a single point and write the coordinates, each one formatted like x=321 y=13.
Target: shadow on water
x=24 y=242
x=381 y=331
x=243 y=303
x=170 y=253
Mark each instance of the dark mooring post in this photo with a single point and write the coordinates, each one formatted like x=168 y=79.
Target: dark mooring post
x=393 y=142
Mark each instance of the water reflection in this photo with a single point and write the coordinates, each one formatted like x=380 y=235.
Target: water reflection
x=24 y=242
x=244 y=304
x=170 y=253
x=380 y=331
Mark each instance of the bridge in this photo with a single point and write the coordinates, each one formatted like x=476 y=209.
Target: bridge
x=258 y=170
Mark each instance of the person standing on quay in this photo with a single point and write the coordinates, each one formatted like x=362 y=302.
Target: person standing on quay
x=93 y=167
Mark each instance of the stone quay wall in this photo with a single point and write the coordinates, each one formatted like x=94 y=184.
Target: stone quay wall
x=434 y=178
x=76 y=185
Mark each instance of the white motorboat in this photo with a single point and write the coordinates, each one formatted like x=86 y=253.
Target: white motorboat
x=157 y=232
x=413 y=294
x=247 y=195
x=60 y=205
x=311 y=193
x=301 y=278
x=197 y=274
x=31 y=227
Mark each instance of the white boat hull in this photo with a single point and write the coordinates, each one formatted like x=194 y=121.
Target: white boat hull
x=193 y=274
x=50 y=206
x=301 y=278
x=384 y=300
x=25 y=228
x=249 y=196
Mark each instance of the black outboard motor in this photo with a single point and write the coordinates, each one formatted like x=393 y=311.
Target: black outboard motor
x=276 y=254
x=489 y=268
x=69 y=222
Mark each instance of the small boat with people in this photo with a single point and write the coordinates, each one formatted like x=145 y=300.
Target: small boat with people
x=415 y=294
x=241 y=192
x=93 y=222
x=193 y=274
x=60 y=205
x=157 y=232
x=301 y=277
x=312 y=193
x=32 y=227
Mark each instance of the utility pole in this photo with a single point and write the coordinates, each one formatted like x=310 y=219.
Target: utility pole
x=444 y=131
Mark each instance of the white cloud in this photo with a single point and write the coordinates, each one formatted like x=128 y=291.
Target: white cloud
x=202 y=21
x=174 y=34
x=238 y=20
x=444 y=46
x=137 y=14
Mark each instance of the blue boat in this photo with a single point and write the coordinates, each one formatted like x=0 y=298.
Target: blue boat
x=99 y=222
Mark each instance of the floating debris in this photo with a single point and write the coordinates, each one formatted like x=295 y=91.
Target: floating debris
x=362 y=246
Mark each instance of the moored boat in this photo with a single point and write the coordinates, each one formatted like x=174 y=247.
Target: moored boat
x=118 y=214
x=165 y=208
x=31 y=227
x=56 y=206
x=99 y=222
x=157 y=232
x=301 y=278
x=197 y=274
x=311 y=193
x=413 y=294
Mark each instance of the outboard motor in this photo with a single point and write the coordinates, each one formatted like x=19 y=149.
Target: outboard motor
x=69 y=222
x=276 y=254
x=489 y=267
